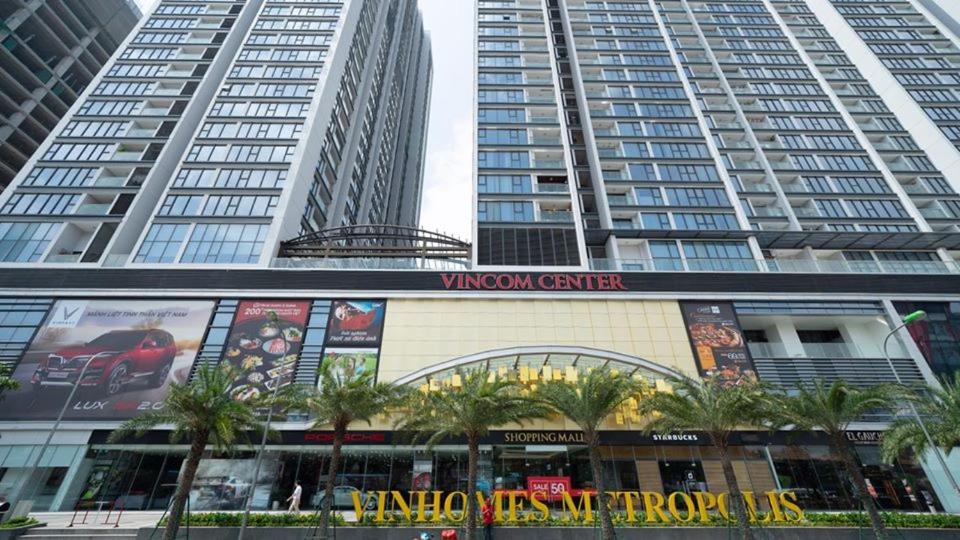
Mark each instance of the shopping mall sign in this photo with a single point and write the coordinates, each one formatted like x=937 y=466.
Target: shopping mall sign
x=493 y=281
x=516 y=506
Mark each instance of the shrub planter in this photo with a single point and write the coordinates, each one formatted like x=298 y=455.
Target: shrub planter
x=10 y=534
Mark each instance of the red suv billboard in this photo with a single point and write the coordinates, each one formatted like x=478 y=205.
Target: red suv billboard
x=121 y=354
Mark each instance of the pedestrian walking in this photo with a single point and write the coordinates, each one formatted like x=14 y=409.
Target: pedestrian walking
x=294 y=498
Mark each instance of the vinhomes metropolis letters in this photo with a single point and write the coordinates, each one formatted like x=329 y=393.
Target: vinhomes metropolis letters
x=531 y=507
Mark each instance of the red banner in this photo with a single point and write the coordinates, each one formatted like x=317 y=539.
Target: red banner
x=552 y=486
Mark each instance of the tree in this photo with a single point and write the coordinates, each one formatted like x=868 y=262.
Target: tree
x=717 y=408
x=831 y=409
x=202 y=411
x=346 y=395
x=940 y=409
x=6 y=381
x=587 y=402
x=475 y=402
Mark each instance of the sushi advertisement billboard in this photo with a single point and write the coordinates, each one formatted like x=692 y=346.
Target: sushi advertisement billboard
x=128 y=351
x=264 y=344
x=717 y=340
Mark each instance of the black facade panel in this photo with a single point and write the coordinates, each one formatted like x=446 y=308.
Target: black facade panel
x=500 y=246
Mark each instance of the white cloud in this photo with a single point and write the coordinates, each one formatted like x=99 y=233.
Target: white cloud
x=448 y=186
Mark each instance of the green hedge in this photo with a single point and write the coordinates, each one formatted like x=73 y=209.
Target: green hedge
x=18 y=522
x=233 y=519
x=813 y=519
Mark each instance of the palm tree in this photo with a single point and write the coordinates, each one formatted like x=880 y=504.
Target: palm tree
x=6 y=381
x=940 y=409
x=587 y=402
x=346 y=394
x=475 y=402
x=716 y=408
x=203 y=411
x=831 y=409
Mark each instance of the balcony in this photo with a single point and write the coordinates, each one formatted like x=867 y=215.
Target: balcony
x=556 y=216
x=809 y=350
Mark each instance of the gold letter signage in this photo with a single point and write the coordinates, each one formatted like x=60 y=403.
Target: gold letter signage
x=530 y=507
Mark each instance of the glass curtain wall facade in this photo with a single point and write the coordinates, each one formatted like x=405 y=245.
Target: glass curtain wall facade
x=225 y=127
x=50 y=52
x=701 y=135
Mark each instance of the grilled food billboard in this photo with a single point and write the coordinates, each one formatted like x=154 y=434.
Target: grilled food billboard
x=264 y=344
x=717 y=340
x=121 y=355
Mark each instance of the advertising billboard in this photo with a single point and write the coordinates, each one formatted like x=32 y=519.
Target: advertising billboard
x=264 y=343
x=351 y=363
x=129 y=351
x=356 y=322
x=718 y=343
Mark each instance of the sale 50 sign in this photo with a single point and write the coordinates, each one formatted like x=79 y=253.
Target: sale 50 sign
x=553 y=486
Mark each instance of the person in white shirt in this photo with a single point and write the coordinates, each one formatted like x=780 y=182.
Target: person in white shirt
x=295 y=498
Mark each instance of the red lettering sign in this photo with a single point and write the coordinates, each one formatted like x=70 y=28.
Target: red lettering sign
x=487 y=281
x=552 y=486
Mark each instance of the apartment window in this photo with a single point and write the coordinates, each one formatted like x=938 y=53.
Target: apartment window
x=108 y=108
x=831 y=208
x=230 y=178
x=162 y=243
x=690 y=221
x=502 y=136
x=666 y=256
x=663 y=129
x=78 y=152
x=93 y=129
x=503 y=160
x=504 y=184
x=223 y=243
x=500 y=96
x=505 y=211
x=642 y=172
x=504 y=116
x=649 y=196
x=25 y=242
x=877 y=209
x=655 y=221
x=680 y=150
x=60 y=176
x=240 y=205
x=39 y=204
x=688 y=173
x=697 y=197
x=180 y=205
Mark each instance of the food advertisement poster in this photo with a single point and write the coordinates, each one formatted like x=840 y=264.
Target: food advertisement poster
x=129 y=352
x=718 y=343
x=264 y=344
x=356 y=322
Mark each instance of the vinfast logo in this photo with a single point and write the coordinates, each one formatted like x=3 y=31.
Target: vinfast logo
x=532 y=282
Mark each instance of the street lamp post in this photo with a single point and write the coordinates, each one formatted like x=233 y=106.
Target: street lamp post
x=63 y=411
x=912 y=318
x=263 y=446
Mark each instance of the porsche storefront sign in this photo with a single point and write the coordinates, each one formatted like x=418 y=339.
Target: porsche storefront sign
x=518 y=506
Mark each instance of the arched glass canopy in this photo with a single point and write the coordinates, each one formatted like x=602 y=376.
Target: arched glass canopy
x=529 y=364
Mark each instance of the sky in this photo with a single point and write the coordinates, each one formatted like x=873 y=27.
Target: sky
x=448 y=168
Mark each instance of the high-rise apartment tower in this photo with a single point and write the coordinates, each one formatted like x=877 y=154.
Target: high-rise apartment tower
x=769 y=135
x=223 y=127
